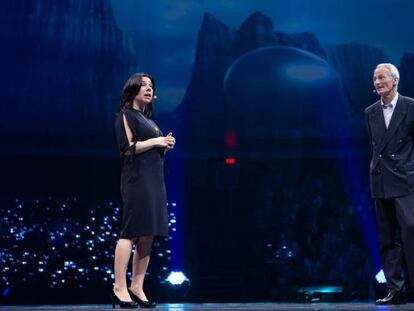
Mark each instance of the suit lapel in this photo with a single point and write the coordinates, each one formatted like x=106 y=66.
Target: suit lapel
x=377 y=123
x=397 y=117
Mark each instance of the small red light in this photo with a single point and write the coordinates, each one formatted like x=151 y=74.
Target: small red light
x=230 y=161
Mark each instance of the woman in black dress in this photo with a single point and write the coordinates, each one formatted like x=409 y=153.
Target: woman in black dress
x=142 y=148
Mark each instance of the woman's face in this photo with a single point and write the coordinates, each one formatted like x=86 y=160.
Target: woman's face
x=146 y=91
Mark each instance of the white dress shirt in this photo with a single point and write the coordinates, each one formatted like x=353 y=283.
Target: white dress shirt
x=388 y=109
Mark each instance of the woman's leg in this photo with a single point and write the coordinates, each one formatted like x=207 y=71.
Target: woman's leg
x=122 y=254
x=140 y=264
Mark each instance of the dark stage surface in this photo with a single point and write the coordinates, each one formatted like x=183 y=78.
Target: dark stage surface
x=230 y=307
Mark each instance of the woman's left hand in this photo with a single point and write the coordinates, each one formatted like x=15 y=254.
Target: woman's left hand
x=170 y=141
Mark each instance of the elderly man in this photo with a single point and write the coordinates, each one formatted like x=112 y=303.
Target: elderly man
x=390 y=123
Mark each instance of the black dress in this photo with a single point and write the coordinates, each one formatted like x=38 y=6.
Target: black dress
x=142 y=179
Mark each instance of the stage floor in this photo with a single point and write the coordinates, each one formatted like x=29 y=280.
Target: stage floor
x=227 y=307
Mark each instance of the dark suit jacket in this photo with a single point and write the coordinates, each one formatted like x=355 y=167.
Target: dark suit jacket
x=392 y=165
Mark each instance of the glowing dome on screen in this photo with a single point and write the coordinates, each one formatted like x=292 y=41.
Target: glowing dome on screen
x=285 y=89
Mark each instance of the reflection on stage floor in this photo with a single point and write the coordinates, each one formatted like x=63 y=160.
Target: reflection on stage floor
x=226 y=307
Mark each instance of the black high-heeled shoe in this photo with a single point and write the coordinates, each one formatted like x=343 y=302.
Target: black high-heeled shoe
x=122 y=304
x=142 y=304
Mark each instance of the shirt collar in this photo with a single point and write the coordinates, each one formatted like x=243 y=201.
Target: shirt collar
x=393 y=103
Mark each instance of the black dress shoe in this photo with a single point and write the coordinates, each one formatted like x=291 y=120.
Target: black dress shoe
x=393 y=298
x=142 y=304
x=122 y=304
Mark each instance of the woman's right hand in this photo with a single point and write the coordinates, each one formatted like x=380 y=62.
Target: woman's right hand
x=164 y=142
x=160 y=142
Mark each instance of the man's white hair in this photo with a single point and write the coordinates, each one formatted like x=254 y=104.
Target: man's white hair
x=391 y=68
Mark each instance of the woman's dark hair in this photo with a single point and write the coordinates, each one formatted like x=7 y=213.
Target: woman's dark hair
x=131 y=89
